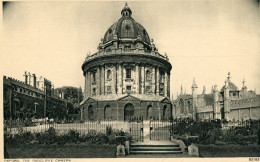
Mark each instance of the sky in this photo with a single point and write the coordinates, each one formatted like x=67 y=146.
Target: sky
x=203 y=39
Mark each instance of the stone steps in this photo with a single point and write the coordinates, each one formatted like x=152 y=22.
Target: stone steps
x=155 y=148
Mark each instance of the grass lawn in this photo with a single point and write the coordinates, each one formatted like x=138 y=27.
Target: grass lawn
x=83 y=150
x=229 y=150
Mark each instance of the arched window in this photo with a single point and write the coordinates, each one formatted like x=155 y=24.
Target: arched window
x=107 y=112
x=164 y=112
x=149 y=112
x=90 y=113
x=175 y=110
x=148 y=75
x=181 y=107
x=109 y=75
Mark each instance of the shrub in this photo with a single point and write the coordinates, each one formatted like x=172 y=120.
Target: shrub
x=62 y=139
x=258 y=135
x=108 y=130
x=48 y=137
x=73 y=136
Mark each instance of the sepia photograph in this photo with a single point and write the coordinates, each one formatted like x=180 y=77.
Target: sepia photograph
x=83 y=80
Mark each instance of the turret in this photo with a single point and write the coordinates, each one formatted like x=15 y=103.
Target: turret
x=204 y=90
x=194 y=88
x=227 y=98
x=216 y=103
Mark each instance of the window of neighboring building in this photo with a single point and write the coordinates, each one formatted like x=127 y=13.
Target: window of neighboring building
x=94 y=91
x=181 y=107
x=128 y=73
x=128 y=88
x=109 y=75
x=108 y=89
x=189 y=107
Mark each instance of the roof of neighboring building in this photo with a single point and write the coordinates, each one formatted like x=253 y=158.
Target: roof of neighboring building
x=231 y=86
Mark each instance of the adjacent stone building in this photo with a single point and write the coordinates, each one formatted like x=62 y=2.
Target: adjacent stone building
x=127 y=77
x=229 y=103
x=33 y=98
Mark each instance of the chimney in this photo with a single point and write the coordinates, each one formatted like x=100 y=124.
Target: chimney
x=34 y=80
x=26 y=77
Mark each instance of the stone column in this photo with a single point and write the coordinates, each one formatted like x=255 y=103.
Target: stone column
x=102 y=73
x=98 y=82
x=168 y=85
x=157 y=81
x=142 y=80
x=86 y=86
x=137 y=78
x=104 y=79
x=119 y=80
x=114 y=80
x=165 y=84
x=153 y=80
x=89 y=83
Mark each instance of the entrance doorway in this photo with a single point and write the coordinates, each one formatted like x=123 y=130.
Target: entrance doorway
x=128 y=111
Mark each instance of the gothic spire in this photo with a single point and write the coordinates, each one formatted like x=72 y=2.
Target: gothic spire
x=194 y=85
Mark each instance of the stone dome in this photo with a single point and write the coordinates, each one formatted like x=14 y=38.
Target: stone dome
x=126 y=29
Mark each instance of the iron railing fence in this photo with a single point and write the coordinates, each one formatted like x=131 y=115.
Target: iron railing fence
x=136 y=128
x=159 y=129
x=64 y=126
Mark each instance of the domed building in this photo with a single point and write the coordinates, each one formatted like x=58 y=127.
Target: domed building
x=127 y=77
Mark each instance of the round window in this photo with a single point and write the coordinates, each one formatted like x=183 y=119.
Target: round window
x=127 y=27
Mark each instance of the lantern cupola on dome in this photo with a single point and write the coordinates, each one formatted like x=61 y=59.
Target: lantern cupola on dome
x=126 y=11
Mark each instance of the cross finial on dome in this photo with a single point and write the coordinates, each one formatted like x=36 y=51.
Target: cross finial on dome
x=125 y=3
